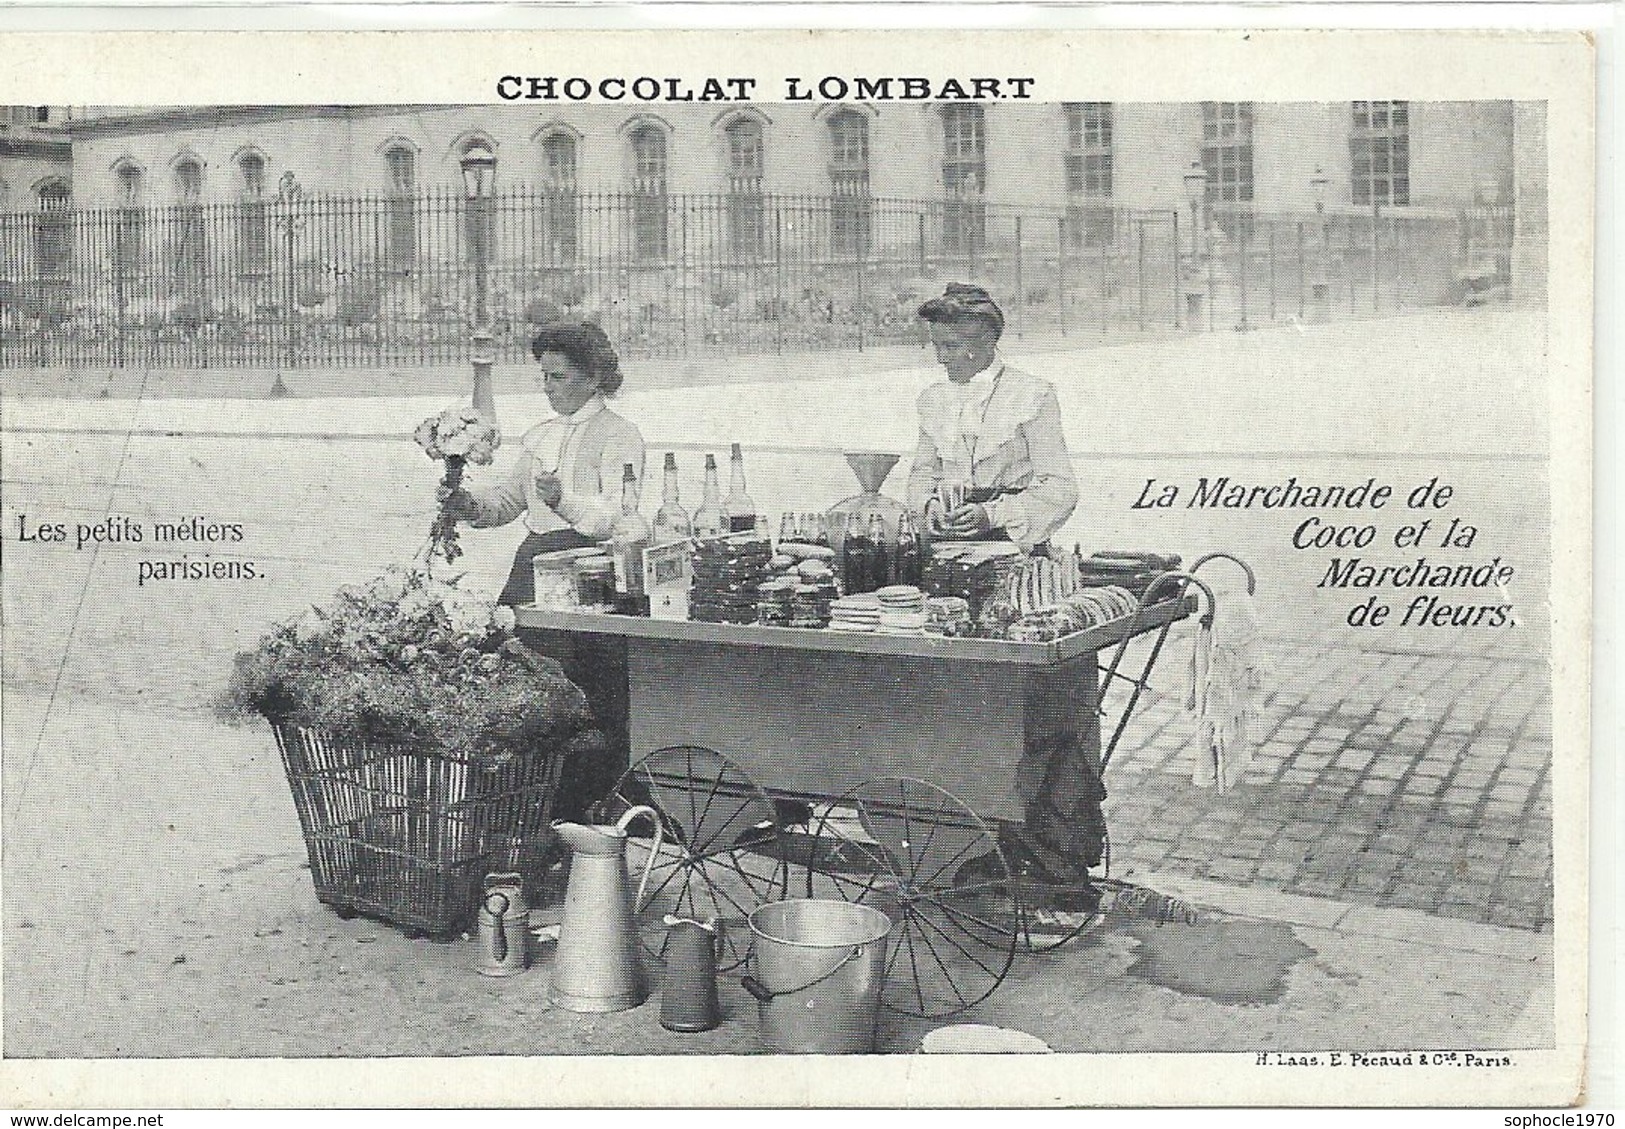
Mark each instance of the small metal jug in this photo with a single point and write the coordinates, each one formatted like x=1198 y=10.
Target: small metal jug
x=688 y=999
x=503 y=921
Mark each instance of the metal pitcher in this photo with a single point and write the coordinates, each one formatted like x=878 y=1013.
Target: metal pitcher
x=688 y=998
x=597 y=966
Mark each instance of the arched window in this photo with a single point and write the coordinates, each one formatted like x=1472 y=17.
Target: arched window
x=253 y=232
x=401 y=238
x=849 y=183
x=745 y=205
x=964 y=178
x=53 y=238
x=648 y=143
x=191 y=243
x=558 y=204
x=132 y=220
x=189 y=180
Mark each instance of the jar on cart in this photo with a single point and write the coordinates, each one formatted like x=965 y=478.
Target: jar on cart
x=595 y=581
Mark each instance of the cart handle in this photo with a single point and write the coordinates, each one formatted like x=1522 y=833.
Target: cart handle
x=1252 y=580
x=1187 y=578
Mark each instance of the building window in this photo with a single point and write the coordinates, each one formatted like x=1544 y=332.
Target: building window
x=253 y=237
x=1089 y=173
x=648 y=192
x=964 y=178
x=1380 y=153
x=1227 y=158
x=558 y=212
x=400 y=209
x=53 y=237
x=1227 y=151
x=851 y=208
x=131 y=221
x=191 y=244
x=745 y=205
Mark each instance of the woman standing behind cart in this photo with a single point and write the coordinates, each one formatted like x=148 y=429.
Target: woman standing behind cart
x=992 y=463
x=567 y=479
x=991 y=460
x=567 y=484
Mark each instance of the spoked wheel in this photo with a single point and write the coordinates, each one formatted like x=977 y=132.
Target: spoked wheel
x=721 y=857
x=917 y=853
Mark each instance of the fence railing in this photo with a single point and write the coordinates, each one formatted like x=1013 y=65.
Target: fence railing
x=392 y=280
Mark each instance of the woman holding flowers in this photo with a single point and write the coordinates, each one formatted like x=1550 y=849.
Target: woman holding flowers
x=566 y=481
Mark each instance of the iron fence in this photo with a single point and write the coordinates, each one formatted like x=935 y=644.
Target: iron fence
x=370 y=280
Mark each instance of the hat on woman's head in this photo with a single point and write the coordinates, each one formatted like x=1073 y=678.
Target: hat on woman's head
x=963 y=302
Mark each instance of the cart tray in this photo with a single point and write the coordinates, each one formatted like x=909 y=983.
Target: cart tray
x=921 y=646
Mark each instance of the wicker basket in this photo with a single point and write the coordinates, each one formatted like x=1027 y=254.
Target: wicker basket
x=405 y=834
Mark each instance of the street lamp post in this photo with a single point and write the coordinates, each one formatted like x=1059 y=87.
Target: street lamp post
x=290 y=194
x=479 y=181
x=1196 y=193
x=1320 y=287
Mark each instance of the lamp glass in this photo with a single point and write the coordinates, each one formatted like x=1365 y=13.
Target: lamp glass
x=479 y=170
x=1195 y=180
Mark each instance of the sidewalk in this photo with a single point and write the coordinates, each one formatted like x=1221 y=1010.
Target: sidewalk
x=207 y=940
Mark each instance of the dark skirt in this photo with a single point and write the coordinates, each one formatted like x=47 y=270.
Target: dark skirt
x=596 y=663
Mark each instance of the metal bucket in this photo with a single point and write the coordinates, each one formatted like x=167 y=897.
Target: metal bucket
x=820 y=966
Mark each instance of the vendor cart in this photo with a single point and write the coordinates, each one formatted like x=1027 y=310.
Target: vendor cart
x=878 y=768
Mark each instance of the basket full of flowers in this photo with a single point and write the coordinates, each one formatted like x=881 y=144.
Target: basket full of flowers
x=423 y=744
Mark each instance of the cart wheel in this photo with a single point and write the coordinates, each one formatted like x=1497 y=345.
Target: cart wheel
x=935 y=868
x=721 y=857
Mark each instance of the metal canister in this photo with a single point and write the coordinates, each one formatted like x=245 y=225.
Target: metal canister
x=504 y=921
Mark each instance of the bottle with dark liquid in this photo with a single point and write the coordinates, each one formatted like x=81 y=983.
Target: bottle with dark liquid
x=787 y=528
x=739 y=508
x=708 y=519
x=671 y=520
x=855 y=556
x=909 y=565
x=820 y=531
x=880 y=553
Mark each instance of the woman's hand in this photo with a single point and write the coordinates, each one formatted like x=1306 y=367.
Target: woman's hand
x=550 y=490
x=459 y=502
x=970 y=520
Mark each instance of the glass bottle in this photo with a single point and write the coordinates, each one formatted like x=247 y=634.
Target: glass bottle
x=671 y=520
x=628 y=539
x=880 y=552
x=739 y=507
x=855 y=557
x=787 y=528
x=820 y=531
x=708 y=519
x=910 y=567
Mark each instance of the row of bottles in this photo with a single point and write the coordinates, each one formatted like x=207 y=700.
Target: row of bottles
x=717 y=515
x=631 y=535
x=870 y=560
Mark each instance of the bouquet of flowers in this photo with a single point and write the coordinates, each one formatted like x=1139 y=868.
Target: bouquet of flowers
x=409 y=658
x=458 y=436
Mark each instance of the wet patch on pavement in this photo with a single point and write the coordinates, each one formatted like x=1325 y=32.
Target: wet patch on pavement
x=1226 y=961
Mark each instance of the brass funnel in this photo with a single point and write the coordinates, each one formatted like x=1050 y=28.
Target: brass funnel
x=871 y=467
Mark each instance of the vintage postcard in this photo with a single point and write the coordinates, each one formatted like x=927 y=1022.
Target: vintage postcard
x=1052 y=564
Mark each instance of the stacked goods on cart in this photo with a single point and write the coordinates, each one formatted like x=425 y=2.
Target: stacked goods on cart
x=1132 y=570
x=801 y=584
x=1046 y=599
x=973 y=571
x=727 y=571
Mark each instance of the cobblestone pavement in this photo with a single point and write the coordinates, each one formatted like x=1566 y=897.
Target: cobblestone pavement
x=1419 y=781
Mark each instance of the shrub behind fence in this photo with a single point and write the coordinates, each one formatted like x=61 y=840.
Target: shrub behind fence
x=364 y=280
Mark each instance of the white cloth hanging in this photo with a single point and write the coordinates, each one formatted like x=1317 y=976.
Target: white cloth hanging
x=1226 y=679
